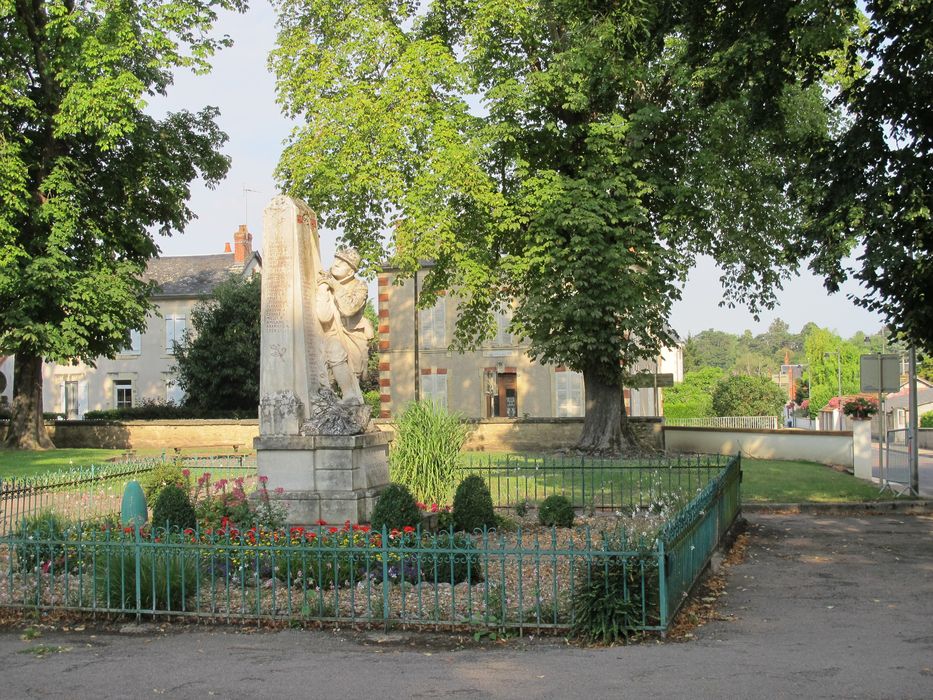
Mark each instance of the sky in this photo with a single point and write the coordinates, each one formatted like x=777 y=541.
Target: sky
x=241 y=86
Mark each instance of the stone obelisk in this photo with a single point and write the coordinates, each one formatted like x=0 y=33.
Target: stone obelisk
x=333 y=478
x=292 y=369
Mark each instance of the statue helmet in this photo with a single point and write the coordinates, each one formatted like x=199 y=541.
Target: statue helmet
x=350 y=257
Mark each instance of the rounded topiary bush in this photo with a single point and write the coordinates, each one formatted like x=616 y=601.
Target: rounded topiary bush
x=160 y=476
x=556 y=511
x=173 y=508
x=473 y=505
x=395 y=509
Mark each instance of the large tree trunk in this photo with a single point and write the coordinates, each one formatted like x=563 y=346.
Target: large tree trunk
x=606 y=430
x=27 y=429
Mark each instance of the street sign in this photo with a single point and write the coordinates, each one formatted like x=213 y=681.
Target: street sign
x=880 y=372
x=646 y=380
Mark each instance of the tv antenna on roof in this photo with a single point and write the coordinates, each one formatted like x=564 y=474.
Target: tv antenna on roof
x=246 y=204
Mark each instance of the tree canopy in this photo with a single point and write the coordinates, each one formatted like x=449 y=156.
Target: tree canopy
x=218 y=359
x=741 y=395
x=570 y=156
x=875 y=185
x=86 y=174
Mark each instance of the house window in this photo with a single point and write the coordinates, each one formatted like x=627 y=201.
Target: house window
x=433 y=323
x=174 y=332
x=569 y=386
x=434 y=388
x=134 y=347
x=173 y=392
x=502 y=337
x=123 y=393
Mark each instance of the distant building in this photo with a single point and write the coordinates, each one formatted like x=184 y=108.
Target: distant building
x=498 y=380
x=144 y=369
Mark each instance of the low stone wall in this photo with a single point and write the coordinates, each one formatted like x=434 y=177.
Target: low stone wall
x=220 y=435
x=825 y=447
x=925 y=438
x=490 y=435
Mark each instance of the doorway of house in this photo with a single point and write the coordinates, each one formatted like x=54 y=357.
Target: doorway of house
x=503 y=402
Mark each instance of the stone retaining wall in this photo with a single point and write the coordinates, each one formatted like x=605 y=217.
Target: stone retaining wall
x=492 y=435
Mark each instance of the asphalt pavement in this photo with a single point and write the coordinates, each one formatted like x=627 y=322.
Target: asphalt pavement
x=822 y=607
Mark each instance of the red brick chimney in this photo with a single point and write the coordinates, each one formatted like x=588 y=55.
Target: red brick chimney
x=242 y=245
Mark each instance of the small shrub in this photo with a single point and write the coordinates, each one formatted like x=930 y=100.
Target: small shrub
x=395 y=509
x=556 y=511
x=522 y=508
x=926 y=420
x=173 y=508
x=473 y=505
x=159 y=477
x=426 y=451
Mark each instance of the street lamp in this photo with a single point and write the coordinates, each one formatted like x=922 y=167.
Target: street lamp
x=839 y=376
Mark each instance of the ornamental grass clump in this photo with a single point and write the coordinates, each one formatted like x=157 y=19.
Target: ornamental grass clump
x=473 y=505
x=168 y=576
x=426 y=451
x=613 y=594
x=556 y=511
x=395 y=509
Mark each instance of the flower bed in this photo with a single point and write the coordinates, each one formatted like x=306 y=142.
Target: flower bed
x=631 y=568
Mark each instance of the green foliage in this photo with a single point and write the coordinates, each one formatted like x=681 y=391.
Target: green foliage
x=88 y=175
x=48 y=531
x=426 y=450
x=395 y=509
x=874 y=186
x=161 y=475
x=599 y=168
x=860 y=408
x=167 y=576
x=693 y=397
x=556 y=511
x=150 y=409
x=472 y=509
x=218 y=364
x=173 y=509
x=926 y=420
x=607 y=598
x=741 y=395
x=373 y=400
x=710 y=348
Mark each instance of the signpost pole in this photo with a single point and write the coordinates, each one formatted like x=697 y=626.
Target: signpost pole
x=913 y=453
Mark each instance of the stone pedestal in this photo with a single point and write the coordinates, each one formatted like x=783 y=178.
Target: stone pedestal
x=334 y=478
x=861 y=449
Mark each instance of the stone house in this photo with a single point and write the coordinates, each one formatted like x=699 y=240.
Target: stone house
x=498 y=380
x=144 y=369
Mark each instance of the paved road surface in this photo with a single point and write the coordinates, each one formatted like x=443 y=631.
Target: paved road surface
x=823 y=608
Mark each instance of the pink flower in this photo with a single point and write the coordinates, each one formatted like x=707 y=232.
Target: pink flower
x=264 y=480
x=186 y=473
x=279 y=490
x=433 y=507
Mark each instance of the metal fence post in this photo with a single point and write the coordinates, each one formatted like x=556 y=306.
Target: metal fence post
x=384 y=542
x=662 y=583
x=139 y=568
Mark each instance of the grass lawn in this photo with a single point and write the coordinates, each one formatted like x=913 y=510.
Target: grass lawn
x=777 y=481
x=17 y=463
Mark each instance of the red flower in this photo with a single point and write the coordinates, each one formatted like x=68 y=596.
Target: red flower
x=321 y=522
x=310 y=535
x=408 y=529
x=334 y=530
x=433 y=507
x=364 y=528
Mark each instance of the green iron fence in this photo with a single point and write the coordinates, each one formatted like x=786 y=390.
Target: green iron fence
x=488 y=580
x=599 y=484
x=96 y=491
